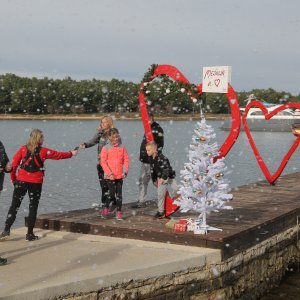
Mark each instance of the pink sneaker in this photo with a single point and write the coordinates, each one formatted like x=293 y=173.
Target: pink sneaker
x=105 y=212
x=119 y=216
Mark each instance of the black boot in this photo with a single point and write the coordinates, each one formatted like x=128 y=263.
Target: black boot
x=3 y=261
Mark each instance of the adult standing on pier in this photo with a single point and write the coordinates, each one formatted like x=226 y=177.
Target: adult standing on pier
x=27 y=176
x=101 y=138
x=145 y=173
x=5 y=167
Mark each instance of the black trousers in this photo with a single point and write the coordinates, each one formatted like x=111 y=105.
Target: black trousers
x=34 y=192
x=114 y=192
x=103 y=185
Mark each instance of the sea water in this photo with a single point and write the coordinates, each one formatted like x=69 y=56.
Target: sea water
x=73 y=183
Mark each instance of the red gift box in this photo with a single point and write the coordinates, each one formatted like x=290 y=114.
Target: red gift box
x=182 y=221
x=180 y=226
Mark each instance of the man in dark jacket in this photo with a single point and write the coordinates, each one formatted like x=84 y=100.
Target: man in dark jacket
x=5 y=167
x=145 y=175
x=163 y=174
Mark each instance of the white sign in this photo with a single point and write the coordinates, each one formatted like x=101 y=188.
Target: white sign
x=216 y=79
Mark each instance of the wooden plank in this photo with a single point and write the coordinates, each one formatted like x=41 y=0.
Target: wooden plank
x=260 y=211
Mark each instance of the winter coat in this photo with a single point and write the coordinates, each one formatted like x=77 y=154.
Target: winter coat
x=100 y=139
x=158 y=136
x=114 y=160
x=3 y=158
x=161 y=168
x=36 y=177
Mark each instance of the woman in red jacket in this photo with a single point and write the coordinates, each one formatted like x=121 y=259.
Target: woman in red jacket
x=29 y=161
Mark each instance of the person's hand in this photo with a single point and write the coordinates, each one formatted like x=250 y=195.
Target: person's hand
x=8 y=167
x=110 y=177
x=74 y=152
x=82 y=146
x=124 y=175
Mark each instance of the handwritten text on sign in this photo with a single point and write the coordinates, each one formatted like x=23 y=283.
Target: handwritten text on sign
x=216 y=79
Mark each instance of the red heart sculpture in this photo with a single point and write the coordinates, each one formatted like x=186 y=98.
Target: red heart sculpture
x=176 y=75
x=271 y=178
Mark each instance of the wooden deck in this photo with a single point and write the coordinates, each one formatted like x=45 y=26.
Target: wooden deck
x=260 y=211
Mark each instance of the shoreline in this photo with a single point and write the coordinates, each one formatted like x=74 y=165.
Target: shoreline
x=117 y=116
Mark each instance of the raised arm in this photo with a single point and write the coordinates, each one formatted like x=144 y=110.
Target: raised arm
x=92 y=142
x=47 y=153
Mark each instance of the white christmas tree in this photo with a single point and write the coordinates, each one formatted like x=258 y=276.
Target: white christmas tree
x=203 y=187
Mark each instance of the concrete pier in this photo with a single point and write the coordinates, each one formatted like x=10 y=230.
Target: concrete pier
x=63 y=263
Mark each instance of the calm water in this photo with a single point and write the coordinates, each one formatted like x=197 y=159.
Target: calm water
x=73 y=183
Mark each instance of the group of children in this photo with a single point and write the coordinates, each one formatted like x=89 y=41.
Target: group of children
x=27 y=173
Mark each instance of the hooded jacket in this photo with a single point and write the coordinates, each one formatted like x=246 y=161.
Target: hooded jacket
x=158 y=136
x=114 y=160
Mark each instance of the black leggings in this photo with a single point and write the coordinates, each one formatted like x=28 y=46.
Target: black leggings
x=115 y=192
x=21 y=188
x=103 y=185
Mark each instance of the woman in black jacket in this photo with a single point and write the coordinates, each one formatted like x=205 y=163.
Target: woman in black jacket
x=100 y=138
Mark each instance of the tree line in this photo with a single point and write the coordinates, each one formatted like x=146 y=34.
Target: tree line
x=65 y=96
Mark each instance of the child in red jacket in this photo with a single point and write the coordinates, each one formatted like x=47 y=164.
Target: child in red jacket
x=115 y=163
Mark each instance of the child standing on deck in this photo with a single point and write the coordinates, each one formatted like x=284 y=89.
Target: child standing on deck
x=163 y=174
x=115 y=163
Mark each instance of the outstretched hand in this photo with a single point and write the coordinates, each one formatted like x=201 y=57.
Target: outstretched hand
x=82 y=146
x=74 y=152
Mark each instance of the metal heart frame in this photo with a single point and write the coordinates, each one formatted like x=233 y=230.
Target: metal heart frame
x=255 y=103
x=176 y=75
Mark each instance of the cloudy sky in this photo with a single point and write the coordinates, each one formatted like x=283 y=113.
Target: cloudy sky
x=106 y=39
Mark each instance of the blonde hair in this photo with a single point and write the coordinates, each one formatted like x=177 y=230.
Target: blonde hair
x=151 y=144
x=109 y=120
x=34 y=140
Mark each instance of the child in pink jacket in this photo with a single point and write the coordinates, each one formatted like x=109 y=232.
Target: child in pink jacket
x=115 y=163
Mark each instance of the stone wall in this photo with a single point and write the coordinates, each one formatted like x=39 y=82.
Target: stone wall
x=247 y=275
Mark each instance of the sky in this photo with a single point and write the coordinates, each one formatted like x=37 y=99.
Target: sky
x=105 y=39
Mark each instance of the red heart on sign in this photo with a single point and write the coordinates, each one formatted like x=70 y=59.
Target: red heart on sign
x=176 y=75
x=270 y=177
x=217 y=82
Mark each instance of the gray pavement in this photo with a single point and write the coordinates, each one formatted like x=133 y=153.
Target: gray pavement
x=61 y=263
